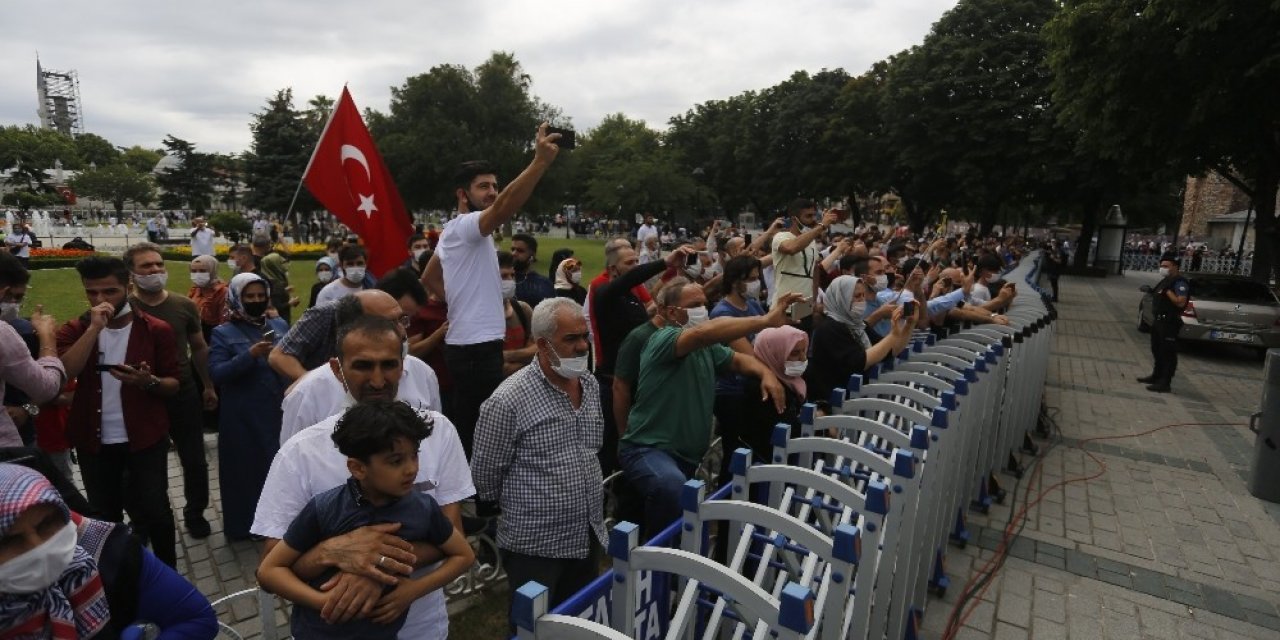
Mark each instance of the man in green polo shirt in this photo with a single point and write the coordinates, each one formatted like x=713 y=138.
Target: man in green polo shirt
x=669 y=427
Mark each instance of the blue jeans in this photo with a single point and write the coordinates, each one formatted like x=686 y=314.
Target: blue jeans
x=659 y=477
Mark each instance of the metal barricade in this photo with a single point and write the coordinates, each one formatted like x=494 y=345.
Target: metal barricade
x=844 y=531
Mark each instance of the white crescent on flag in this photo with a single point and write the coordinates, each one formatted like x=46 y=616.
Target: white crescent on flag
x=352 y=152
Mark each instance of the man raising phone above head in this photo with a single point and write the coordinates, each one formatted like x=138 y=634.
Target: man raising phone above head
x=794 y=255
x=464 y=272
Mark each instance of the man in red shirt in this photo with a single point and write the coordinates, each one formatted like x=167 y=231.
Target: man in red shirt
x=125 y=364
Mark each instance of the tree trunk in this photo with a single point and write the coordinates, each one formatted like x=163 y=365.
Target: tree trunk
x=1265 y=246
x=1087 y=227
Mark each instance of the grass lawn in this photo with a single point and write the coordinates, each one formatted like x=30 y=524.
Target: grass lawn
x=60 y=292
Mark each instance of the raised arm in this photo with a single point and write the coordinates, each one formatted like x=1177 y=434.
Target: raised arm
x=514 y=196
x=726 y=329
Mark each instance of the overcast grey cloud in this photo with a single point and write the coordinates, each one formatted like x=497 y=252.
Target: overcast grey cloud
x=199 y=70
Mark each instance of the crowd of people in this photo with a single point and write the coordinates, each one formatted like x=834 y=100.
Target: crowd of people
x=360 y=442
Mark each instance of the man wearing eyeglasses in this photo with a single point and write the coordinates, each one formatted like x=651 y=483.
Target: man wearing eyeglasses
x=370 y=365
x=311 y=341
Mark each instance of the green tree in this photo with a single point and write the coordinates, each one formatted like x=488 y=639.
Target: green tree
x=93 y=149
x=117 y=183
x=282 y=145
x=30 y=151
x=141 y=160
x=190 y=182
x=623 y=166
x=1154 y=84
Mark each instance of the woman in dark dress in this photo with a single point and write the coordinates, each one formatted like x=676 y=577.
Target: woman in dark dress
x=841 y=347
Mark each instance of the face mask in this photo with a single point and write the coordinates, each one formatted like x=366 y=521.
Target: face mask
x=37 y=569
x=882 y=282
x=795 y=368
x=697 y=316
x=570 y=368
x=508 y=289
x=354 y=274
x=151 y=283
x=404 y=351
x=417 y=254
x=255 y=309
x=200 y=279
x=1164 y=272
x=324 y=276
x=9 y=310
x=694 y=270
x=124 y=309
x=753 y=290
x=348 y=399
x=859 y=309
x=575 y=277
x=235 y=266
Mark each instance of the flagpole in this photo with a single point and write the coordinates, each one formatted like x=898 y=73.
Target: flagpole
x=312 y=159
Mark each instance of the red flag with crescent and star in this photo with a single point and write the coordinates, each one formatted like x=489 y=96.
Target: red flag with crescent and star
x=347 y=175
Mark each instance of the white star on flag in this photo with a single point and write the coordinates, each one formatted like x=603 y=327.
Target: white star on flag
x=366 y=205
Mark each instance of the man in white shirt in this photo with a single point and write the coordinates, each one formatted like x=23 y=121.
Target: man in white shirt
x=309 y=464
x=646 y=231
x=19 y=242
x=794 y=255
x=464 y=272
x=320 y=394
x=354 y=260
x=201 y=239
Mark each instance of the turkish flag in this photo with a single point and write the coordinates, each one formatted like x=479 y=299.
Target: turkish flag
x=347 y=175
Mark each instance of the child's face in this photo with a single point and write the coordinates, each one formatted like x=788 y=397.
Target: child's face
x=391 y=473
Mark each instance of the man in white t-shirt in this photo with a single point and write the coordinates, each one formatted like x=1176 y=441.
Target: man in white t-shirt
x=309 y=464
x=354 y=260
x=201 y=239
x=646 y=231
x=794 y=255
x=464 y=272
x=320 y=394
x=19 y=242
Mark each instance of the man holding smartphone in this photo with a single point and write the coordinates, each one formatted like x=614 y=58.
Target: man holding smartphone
x=126 y=365
x=794 y=255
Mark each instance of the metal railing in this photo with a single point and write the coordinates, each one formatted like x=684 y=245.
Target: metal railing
x=843 y=533
x=1136 y=261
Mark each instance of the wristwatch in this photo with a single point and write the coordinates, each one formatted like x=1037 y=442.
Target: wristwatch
x=32 y=409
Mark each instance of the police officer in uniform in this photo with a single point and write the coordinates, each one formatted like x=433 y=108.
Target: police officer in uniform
x=1169 y=298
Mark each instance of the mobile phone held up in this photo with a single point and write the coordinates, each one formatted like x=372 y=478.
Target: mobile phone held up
x=269 y=335
x=800 y=310
x=908 y=309
x=568 y=138
x=691 y=259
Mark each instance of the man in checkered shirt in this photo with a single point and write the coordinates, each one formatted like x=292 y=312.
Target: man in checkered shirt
x=535 y=454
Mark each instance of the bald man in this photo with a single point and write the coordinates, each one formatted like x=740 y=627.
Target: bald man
x=311 y=342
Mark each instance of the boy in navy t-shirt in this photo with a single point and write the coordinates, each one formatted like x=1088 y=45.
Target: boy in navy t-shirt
x=380 y=439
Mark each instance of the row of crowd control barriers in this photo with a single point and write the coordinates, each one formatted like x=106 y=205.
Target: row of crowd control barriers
x=844 y=532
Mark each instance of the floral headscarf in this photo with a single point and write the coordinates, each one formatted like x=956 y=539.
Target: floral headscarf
x=75 y=606
x=234 y=307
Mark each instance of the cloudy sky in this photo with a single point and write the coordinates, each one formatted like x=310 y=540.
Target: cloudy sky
x=199 y=70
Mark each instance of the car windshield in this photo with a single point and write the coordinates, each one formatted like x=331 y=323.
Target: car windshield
x=1231 y=290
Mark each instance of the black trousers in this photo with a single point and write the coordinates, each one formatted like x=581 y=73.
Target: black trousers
x=476 y=370
x=118 y=481
x=1053 y=283
x=1164 y=349
x=186 y=429
x=562 y=577
x=608 y=454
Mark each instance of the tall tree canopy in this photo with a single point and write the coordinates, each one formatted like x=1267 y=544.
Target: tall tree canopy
x=283 y=139
x=189 y=181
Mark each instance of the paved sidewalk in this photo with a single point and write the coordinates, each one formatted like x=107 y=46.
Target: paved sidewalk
x=1167 y=542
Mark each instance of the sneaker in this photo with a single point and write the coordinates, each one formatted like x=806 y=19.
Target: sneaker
x=198 y=527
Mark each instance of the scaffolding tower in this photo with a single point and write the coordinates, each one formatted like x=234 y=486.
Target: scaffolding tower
x=59 y=95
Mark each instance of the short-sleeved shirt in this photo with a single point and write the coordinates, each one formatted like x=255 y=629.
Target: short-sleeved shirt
x=319 y=394
x=202 y=242
x=730 y=384
x=341 y=510
x=337 y=290
x=627 y=368
x=473 y=288
x=680 y=423
x=792 y=273
x=184 y=317
x=311 y=339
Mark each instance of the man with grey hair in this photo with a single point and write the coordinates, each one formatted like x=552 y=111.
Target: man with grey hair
x=536 y=441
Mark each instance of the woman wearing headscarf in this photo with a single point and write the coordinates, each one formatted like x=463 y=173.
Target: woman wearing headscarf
x=209 y=293
x=249 y=423
x=66 y=576
x=568 y=280
x=841 y=347
x=785 y=351
x=325 y=268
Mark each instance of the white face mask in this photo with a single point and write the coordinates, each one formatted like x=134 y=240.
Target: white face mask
x=348 y=399
x=404 y=351
x=1164 y=272
x=200 y=279
x=575 y=277
x=882 y=282
x=795 y=367
x=417 y=254
x=235 y=266
x=354 y=274
x=570 y=368
x=152 y=282
x=697 y=316
x=694 y=270
x=859 y=309
x=9 y=310
x=324 y=276
x=124 y=310
x=753 y=290
x=508 y=289
x=37 y=569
